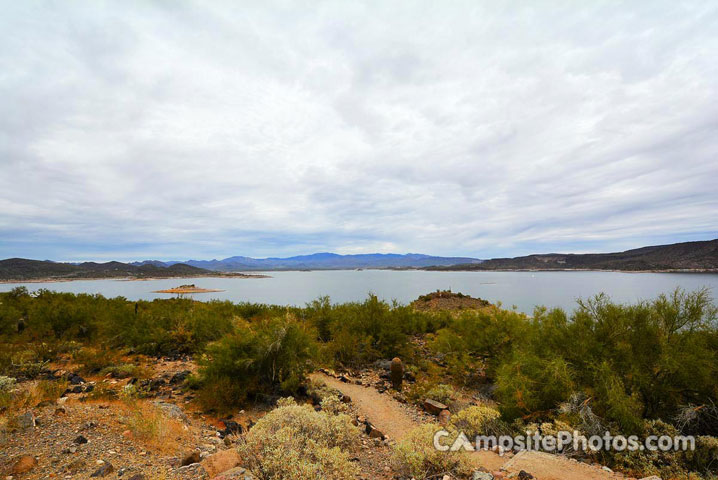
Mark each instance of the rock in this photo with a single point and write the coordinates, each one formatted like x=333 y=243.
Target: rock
x=346 y=399
x=221 y=462
x=345 y=379
x=75 y=379
x=524 y=475
x=89 y=388
x=104 y=470
x=373 y=432
x=434 y=407
x=236 y=473
x=397 y=373
x=80 y=440
x=190 y=458
x=446 y=477
x=232 y=427
x=478 y=475
x=137 y=476
x=180 y=377
x=23 y=464
x=26 y=420
x=172 y=411
x=60 y=411
x=444 y=417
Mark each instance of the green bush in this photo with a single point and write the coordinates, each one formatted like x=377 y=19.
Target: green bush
x=269 y=356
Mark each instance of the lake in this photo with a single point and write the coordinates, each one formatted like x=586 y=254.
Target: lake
x=525 y=290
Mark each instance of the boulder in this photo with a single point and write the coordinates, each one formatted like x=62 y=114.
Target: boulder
x=190 y=458
x=434 y=407
x=221 y=462
x=172 y=411
x=373 y=432
x=23 y=464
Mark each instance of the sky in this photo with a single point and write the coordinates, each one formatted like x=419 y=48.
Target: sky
x=176 y=130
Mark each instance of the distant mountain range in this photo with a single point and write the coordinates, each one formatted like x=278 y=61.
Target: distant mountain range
x=688 y=256
x=319 y=261
x=23 y=269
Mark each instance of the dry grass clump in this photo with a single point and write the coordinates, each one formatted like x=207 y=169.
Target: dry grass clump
x=295 y=442
x=151 y=426
x=14 y=398
x=415 y=456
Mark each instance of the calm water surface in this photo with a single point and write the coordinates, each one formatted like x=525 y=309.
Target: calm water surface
x=525 y=290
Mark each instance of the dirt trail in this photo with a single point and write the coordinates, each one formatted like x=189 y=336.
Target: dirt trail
x=384 y=412
x=392 y=419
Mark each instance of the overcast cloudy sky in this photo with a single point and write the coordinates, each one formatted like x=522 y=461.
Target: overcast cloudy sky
x=175 y=130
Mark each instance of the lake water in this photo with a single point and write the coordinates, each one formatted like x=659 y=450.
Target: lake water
x=525 y=290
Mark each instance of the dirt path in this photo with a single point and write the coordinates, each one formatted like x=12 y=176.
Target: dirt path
x=384 y=412
x=392 y=418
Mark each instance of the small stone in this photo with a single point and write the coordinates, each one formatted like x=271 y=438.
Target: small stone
x=479 y=475
x=444 y=417
x=524 y=475
x=24 y=464
x=80 y=440
x=60 y=411
x=26 y=420
x=104 y=470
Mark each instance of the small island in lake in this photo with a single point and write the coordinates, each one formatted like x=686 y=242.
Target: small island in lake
x=191 y=288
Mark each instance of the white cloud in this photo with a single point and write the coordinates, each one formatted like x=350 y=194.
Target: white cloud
x=216 y=128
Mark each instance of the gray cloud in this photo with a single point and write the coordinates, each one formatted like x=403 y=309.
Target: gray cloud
x=215 y=128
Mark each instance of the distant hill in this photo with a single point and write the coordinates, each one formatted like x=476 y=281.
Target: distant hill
x=23 y=269
x=322 y=261
x=688 y=256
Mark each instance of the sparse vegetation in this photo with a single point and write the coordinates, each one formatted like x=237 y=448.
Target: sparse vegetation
x=295 y=442
x=415 y=456
x=605 y=366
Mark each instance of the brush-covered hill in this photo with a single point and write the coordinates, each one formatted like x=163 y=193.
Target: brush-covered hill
x=687 y=256
x=21 y=269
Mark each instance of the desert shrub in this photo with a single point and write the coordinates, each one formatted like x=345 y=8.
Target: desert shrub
x=295 y=442
x=441 y=393
x=49 y=390
x=7 y=383
x=704 y=459
x=415 y=456
x=527 y=383
x=265 y=357
x=94 y=360
x=332 y=404
x=126 y=370
x=103 y=391
x=479 y=420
